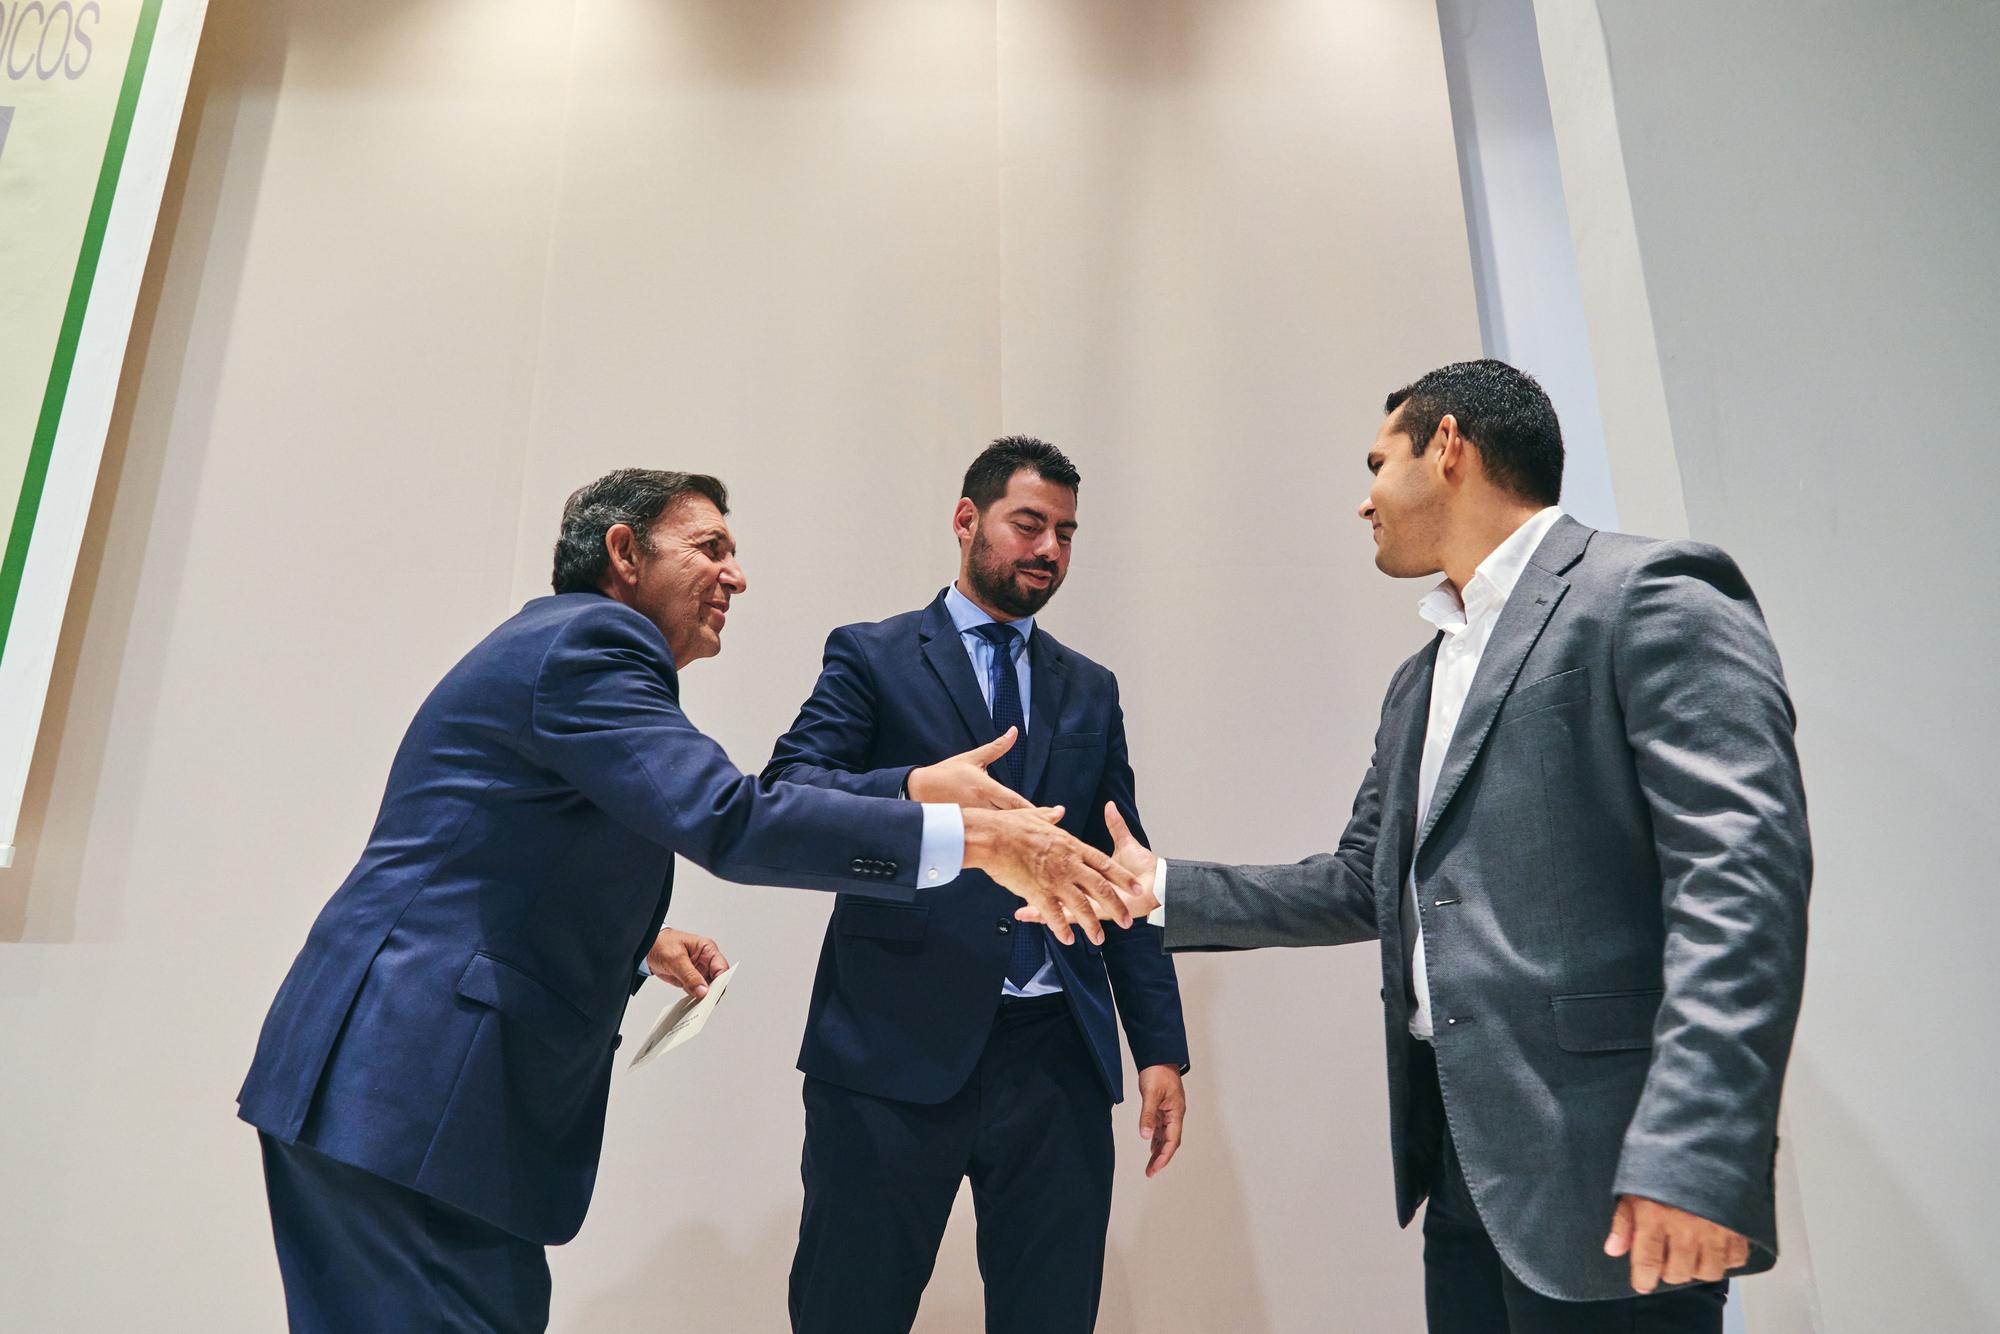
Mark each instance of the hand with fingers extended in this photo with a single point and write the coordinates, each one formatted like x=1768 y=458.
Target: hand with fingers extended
x=1162 y=1111
x=1128 y=854
x=686 y=960
x=963 y=780
x=1064 y=883
x=1670 y=1245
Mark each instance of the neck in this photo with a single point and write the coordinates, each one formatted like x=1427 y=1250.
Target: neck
x=964 y=587
x=1478 y=538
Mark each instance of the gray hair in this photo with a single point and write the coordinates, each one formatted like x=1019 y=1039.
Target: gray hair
x=635 y=497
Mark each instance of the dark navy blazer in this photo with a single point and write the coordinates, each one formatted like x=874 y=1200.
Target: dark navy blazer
x=450 y=1022
x=906 y=992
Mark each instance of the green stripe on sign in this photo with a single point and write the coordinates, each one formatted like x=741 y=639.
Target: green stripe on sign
x=37 y=475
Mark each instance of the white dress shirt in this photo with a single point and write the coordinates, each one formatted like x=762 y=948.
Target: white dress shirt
x=1467 y=623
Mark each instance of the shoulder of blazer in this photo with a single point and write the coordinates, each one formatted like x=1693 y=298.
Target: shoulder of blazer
x=593 y=623
x=903 y=628
x=1614 y=558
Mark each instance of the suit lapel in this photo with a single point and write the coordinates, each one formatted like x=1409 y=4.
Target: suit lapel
x=953 y=666
x=1521 y=623
x=1051 y=678
x=1401 y=764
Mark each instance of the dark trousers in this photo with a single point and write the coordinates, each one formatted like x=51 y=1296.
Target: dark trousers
x=1031 y=1128
x=363 y=1255
x=1468 y=1289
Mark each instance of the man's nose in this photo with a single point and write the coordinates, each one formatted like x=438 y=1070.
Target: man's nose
x=1048 y=545
x=1367 y=509
x=734 y=580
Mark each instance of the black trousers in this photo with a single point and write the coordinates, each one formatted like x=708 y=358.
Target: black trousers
x=363 y=1255
x=1468 y=1289
x=1031 y=1129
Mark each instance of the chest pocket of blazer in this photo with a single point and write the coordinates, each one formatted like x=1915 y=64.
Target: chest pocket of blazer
x=1077 y=741
x=898 y=923
x=1606 y=1020
x=1550 y=692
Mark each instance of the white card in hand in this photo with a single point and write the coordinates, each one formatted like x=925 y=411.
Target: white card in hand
x=683 y=1019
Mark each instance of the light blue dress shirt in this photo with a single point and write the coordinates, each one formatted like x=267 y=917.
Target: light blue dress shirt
x=968 y=617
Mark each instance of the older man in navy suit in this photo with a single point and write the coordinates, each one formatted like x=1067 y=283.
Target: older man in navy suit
x=945 y=1041
x=430 y=1085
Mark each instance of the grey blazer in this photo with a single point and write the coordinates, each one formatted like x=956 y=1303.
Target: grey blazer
x=1612 y=889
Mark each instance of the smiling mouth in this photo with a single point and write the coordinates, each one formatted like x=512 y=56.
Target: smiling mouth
x=1043 y=575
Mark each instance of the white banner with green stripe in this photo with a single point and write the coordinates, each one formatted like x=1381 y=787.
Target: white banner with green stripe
x=91 y=93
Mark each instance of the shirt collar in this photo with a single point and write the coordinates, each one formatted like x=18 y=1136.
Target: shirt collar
x=968 y=615
x=1493 y=582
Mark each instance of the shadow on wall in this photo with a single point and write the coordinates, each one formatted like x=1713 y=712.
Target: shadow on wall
x=180 y=337
x=677 y=1287
x=1925 y=1278
x=1194 y=1255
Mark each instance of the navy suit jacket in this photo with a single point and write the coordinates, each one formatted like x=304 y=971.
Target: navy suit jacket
x=450 y=1023
x=906 y=992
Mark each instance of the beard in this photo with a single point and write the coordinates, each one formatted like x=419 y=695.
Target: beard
x=993 y=578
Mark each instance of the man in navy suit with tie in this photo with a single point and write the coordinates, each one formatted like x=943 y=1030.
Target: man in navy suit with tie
x=430 y=1084
x=945 y=1040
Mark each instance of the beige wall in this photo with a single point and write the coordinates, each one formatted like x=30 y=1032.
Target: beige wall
x=1804 y=212
x=423 y=268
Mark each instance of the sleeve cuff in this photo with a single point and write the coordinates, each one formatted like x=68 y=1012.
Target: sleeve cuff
x=1158 y=917
x=942 y=854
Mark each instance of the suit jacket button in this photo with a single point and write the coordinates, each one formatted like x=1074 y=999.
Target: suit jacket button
x=1002 y=927
x=888 y=868
x=857 y=866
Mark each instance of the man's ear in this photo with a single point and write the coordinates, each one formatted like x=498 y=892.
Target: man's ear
x=622 y=545
x=965 y=519
x=1450 y=447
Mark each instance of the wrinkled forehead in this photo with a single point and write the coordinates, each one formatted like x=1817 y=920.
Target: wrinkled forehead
x=696 y=521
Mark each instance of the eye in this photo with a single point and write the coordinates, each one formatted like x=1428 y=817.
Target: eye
x=1027 y=529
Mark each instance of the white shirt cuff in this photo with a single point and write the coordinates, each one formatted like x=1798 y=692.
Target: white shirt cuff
x=1158 y=917
x=943 y=850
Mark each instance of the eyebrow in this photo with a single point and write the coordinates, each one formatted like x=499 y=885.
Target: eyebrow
x=1029 y=511
x=715 y=535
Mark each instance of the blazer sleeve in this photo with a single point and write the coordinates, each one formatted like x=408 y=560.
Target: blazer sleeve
x=832 y=738
x=1327 y=899
x=606 y=717
x=1143 y=982
x=1710 y=726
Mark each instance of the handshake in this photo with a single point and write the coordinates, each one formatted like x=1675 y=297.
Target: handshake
x=1064 y=883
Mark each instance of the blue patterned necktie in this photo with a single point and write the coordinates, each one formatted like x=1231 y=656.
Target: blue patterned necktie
x=1030 y=951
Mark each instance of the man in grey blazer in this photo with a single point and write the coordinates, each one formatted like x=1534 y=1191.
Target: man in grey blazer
x=1582 y=845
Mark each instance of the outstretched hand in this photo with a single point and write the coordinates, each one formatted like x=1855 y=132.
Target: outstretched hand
x=1066 y=884
x=963 y=779
x=1129 y=855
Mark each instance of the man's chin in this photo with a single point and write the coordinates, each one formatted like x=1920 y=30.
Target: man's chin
x=1029 y=598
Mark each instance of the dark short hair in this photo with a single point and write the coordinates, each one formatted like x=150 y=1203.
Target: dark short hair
x=986 y=480
x=1502 y=411
x=635 y=497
